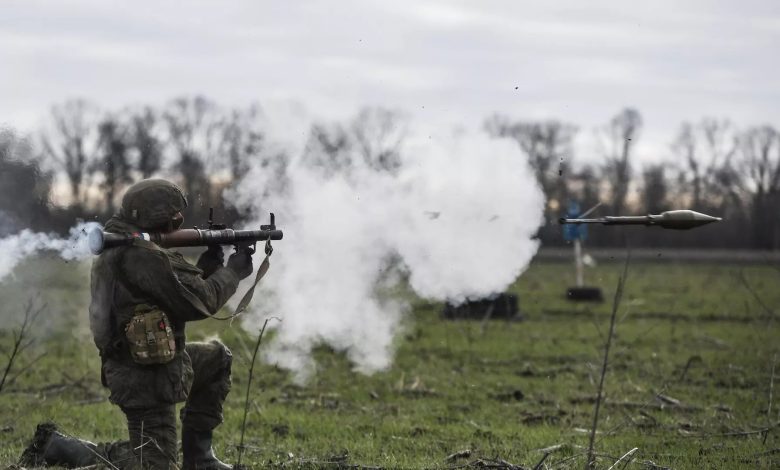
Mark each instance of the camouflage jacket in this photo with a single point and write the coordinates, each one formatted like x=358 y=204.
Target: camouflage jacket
x=145 y=274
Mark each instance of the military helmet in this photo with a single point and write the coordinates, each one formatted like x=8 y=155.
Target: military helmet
x=152 y=203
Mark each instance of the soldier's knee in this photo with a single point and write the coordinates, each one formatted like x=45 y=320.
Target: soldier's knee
x=224 y=354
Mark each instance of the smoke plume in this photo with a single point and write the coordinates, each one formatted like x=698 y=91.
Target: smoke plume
x=15 y=248
x=455 y=215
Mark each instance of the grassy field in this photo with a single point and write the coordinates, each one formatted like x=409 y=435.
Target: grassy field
x=689 y=380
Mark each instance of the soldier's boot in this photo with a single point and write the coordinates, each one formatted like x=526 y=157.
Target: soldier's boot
x=50 y=447
x=198 y=453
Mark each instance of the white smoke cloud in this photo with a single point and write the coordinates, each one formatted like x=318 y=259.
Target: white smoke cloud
x=457 y=217
x=15 y=248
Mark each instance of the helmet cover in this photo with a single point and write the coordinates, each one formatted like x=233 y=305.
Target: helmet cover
x=152 y=203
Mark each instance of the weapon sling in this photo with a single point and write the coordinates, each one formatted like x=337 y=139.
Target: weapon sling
x=244 y=302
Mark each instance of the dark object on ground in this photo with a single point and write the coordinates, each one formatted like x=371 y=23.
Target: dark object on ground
x=584 y=294
x=49 y=447
x=503 y=306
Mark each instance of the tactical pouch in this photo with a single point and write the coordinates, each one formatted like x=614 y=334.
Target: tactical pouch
x=150 y=338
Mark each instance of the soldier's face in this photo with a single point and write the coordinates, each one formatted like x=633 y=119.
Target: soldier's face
x=176 y=221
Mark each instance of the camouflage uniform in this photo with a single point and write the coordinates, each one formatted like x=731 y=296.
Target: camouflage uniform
x=146 y=275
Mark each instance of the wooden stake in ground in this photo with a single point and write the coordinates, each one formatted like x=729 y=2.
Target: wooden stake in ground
x=615 y=304
x=248 y=387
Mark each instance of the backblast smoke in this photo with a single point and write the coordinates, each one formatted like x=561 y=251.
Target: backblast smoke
x=15 y=248
x=455 y=217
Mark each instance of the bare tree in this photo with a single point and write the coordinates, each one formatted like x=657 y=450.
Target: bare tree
x=759 y=147
x=71 y=143
x=760 y=150
x=113 y=162
x=686 y=148
x=548 y=146
x=586 y=186
x=329 y=149
x=655 y=188
x=705 y=152
x=24 y=188
x=619 y=139
x=377 y=134
x=145 y=141
x=373 y=137
x=242 y=139
x=194 y=126
x=243 y=145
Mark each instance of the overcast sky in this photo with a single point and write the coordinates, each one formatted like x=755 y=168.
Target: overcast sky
x=444 y=62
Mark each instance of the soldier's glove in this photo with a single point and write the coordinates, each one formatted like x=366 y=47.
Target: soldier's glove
x=211 y=260
x=241 y=262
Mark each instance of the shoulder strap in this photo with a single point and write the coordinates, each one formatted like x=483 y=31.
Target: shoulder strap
x=244 y=303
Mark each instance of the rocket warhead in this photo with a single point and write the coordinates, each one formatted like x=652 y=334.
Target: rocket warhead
x=677 y=220
x=682 y=219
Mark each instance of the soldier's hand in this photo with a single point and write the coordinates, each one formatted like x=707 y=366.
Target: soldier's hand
x=241 y=263
x=211 y=260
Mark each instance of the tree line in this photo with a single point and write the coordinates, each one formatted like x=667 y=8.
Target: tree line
x=712 y=167
x=88 y=156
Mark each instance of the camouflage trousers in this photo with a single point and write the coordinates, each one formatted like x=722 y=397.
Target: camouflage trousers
x=152 y=428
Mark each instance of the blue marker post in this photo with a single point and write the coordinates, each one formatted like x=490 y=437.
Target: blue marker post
x=577 y=233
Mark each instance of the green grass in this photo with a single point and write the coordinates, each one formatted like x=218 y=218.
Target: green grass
x=690 y=332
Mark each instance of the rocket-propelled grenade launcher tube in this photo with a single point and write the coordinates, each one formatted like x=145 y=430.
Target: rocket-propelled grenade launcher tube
x=677 y=220
x=100 y=240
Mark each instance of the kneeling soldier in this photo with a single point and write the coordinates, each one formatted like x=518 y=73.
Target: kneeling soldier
x=142 y=296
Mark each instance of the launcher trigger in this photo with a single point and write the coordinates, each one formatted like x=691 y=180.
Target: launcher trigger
x=248 y=248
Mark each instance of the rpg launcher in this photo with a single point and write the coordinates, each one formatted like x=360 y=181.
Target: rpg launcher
x=216 y=234
x=678 y=220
